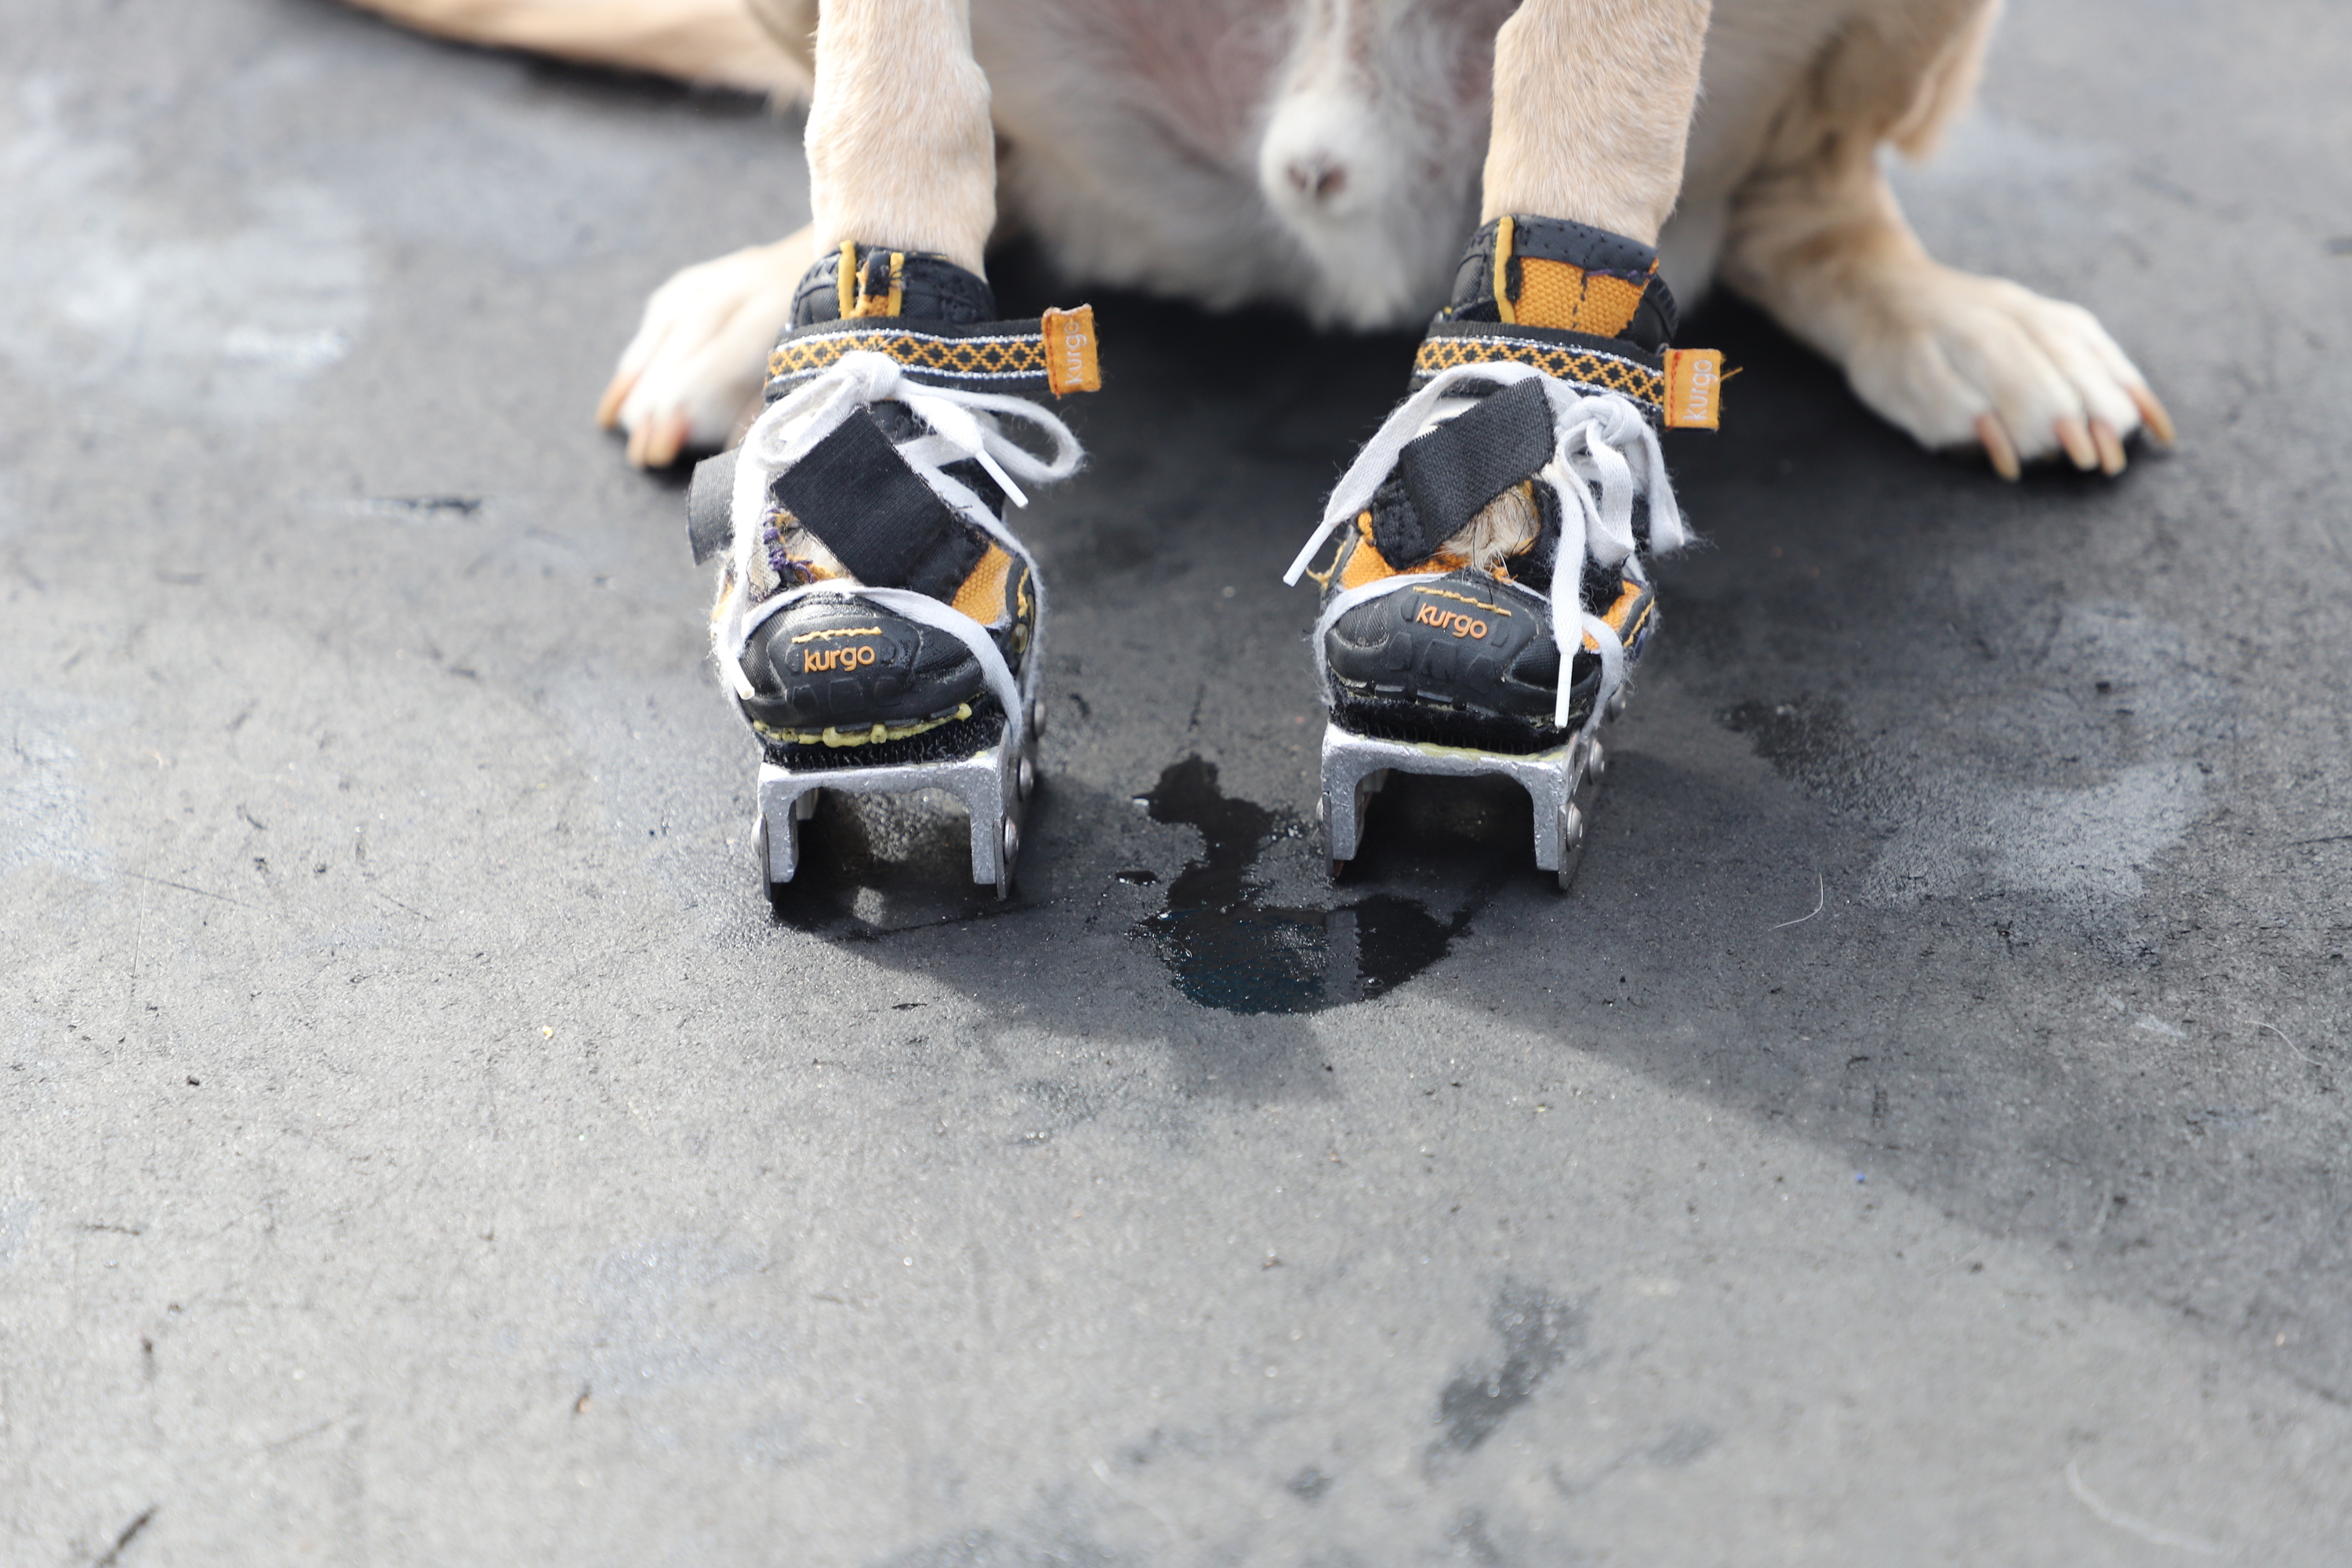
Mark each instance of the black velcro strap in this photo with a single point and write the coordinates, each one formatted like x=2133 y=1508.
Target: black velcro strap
x=710 y=505
x=1446 y=477
x=931 y=288
x=876 y=515
x=1581 y=245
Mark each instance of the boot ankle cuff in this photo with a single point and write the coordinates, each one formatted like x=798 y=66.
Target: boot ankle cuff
x=867 y=280
x=1550 y=272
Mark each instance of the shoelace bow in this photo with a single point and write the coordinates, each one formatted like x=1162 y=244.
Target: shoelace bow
x=957 y=430
x=1599 y=439
x=786 y=431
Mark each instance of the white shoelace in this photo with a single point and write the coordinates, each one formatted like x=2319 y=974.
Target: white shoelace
x=960 y=427
x=1604 y=454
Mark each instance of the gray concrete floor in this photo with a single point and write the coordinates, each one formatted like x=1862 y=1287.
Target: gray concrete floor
x=419 y=1144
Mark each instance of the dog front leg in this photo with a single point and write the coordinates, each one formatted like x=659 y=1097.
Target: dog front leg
x=1490 y=592
x=901 y=155
x=1593 y=110
x=1817 y=238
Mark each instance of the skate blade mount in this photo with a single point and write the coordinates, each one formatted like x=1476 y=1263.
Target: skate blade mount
x=994 y=785
x=1562 y=781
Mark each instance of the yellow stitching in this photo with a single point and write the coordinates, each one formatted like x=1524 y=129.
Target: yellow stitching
x=1445 y=353
x=840 y=632
x=1624 y=634
x=1579 y=365
x=897 y=281
x=845 y=279
x=1005 y=357
x=1481 y=604
x=831 y=736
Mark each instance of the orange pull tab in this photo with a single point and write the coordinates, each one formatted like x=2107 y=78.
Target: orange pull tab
x=1070 y=363
x=1694 y=389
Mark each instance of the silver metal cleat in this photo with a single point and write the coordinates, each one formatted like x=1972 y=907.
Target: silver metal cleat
x=994 y=785
x=1562 y=781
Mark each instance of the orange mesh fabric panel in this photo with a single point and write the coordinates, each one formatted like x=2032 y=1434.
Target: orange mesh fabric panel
x=982 y=594
x=1365 y=563
x=1561 y=294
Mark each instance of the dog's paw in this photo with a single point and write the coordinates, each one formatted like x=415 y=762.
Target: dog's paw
x=1959 y=360
x=693 y=372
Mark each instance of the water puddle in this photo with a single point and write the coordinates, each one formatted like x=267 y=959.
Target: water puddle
x=1230 y=948
x=1251 y=924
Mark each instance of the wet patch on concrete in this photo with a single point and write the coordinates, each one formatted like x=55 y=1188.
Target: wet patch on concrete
x=1230 y=948
x=1537 y=1331
x=2055 y=760
x=1309 y=1485
x=2080 y=846
x=1807 y=740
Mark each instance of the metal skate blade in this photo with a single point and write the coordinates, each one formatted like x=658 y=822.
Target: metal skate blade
x=1561 y=783
x=993 y=786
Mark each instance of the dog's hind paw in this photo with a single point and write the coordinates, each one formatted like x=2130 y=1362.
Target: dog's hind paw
x=1959 y=360
x=691 y=377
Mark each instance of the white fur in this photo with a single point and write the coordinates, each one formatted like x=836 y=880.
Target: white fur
x=1370 y=162
x=1341 y=187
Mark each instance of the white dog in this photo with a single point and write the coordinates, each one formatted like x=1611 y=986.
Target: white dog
x=1332 y=154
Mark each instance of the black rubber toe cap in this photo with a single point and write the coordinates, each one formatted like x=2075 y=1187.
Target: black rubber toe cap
x=848 y=664
x=1463 y=640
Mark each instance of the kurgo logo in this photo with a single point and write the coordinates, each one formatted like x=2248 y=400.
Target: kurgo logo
x=1694 y=389
x=1453 y=621
x=1699 y=397
x=813 y=659
x=1070 y=363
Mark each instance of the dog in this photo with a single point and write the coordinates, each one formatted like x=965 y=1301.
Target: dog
x=1332 y=156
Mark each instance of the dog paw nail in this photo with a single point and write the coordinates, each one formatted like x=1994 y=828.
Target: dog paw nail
x=2152 y=414
x=2110 y=445
x=2077 y=443
x=1999 y=449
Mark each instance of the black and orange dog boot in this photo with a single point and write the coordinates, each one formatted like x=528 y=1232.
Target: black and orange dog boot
x=877 y=624
x=1506 y=511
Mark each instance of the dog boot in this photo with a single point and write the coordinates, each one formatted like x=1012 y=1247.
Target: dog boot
x=876 y=623
x=1504 y=510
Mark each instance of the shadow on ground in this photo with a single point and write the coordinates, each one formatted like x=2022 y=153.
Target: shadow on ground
x=1905 y=845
